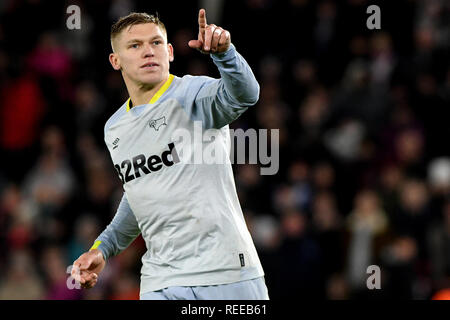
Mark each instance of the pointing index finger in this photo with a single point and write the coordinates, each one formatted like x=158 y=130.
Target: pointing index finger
x=202 y=20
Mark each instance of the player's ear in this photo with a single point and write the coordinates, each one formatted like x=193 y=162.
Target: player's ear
x=170 y=50
x=114 y=60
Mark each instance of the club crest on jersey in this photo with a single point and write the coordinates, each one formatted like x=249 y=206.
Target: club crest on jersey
x=157 y=123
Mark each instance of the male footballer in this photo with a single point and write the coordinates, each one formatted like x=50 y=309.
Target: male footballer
x=198 y=244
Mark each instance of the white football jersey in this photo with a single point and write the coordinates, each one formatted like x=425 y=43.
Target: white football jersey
x=187 y=211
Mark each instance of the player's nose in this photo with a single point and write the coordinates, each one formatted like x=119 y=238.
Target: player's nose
x=148 y=51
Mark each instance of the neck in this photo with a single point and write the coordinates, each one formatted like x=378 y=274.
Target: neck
x=143 y=93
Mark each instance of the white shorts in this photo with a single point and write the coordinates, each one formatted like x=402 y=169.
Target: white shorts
x=254 y=289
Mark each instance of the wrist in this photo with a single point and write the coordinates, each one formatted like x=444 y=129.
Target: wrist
x=95 y=245
x=97 y=253
x=96 y=248
x=224 y=54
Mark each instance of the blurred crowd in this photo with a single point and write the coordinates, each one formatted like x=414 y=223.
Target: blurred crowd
x=363 y=116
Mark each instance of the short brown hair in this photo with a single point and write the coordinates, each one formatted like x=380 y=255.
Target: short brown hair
x=133 y=19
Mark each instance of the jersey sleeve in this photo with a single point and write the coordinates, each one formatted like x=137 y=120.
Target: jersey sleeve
x=120 y=233
x=218 y=102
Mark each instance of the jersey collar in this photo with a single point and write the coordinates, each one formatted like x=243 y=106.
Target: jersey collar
x=158 y=94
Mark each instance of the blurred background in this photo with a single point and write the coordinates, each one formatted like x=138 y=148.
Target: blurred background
x=363 y=115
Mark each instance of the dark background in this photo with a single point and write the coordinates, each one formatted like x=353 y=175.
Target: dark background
x=363 y=116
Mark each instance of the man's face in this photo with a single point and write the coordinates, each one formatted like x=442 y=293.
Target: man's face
x=143 y=54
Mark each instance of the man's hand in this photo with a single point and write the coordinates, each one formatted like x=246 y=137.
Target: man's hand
x=211 y=38
x=87 y=267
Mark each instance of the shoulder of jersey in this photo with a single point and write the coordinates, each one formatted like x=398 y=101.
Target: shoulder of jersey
x=116 y=116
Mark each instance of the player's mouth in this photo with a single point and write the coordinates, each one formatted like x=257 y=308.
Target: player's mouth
x=149 y=65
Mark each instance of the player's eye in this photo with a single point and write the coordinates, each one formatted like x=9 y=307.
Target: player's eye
x=157 y=42
x=134 y=46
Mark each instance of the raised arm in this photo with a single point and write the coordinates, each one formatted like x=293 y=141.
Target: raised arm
x=220 y=101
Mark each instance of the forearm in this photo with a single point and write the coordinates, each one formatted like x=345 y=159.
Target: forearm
x=120 y=233
x=238 y=82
